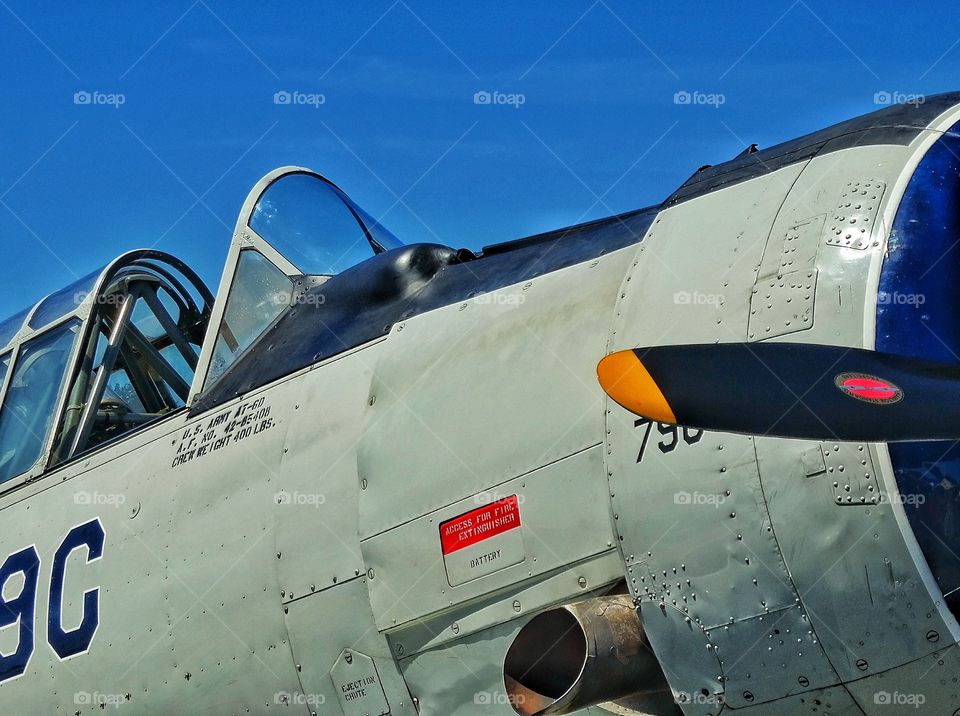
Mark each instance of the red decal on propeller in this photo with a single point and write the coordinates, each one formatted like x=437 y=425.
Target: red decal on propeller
x=869 y=388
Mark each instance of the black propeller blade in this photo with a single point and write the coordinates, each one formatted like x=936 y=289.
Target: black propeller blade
x=791 y=390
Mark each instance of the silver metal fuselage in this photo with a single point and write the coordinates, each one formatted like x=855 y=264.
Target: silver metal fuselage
x=270 y=551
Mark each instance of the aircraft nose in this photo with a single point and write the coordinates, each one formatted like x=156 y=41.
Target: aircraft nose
x=918 y=314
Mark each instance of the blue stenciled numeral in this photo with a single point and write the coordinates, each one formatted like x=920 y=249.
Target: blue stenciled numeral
x=77 y=641
x=21 y=607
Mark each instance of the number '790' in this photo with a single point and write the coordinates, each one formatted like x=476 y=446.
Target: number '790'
x=21 y=609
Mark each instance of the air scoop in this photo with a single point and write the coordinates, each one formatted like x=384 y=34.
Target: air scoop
x=580 y=655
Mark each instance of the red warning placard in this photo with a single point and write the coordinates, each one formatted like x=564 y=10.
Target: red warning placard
x=480 y=524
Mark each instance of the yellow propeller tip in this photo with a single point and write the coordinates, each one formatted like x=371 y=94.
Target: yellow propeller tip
x=626 y=380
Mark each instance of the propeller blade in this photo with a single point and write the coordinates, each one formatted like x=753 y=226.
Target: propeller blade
x=790 y=390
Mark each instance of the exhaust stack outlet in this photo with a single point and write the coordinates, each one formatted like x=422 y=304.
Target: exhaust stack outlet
x=580 y=655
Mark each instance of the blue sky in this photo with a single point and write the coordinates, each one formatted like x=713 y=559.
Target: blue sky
x=599 y=129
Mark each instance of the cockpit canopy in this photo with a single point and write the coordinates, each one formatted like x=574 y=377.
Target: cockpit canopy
x=294 y=224
x=141 y=338
x=316 y=226
x=113 y=350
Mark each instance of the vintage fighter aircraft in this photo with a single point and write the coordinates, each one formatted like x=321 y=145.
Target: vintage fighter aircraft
x=370 y=478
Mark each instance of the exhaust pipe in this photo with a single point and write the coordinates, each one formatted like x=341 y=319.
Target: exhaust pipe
x=580 y=655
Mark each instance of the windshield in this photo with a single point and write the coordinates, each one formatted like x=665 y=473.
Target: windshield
x=259 y=294
x=316 y=226
x=31 y=398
